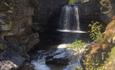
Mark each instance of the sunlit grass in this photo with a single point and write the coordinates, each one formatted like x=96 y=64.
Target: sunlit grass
x=72 y=1
x=110 y=61
x=77 y=45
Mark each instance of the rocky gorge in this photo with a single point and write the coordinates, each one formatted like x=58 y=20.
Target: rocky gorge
x=27 y=26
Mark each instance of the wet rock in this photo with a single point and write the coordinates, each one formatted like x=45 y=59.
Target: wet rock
x=26 y=66
x=10 y=59
x=40 y=64
x=109 y=33
x=13 y=56
x=7 y=65
x=60 y=56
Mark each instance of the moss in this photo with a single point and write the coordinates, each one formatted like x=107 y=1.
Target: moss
x=6 y=5
x=2 y=47
x=96 y=31
x=77 y=45
x=72 y=2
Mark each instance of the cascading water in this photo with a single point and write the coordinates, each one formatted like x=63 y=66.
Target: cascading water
x=40 y=63
x=77 y=17
x=69 y=24
x=70 y=30
x=69 y=20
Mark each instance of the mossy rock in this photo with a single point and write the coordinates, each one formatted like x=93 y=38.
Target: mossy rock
x=72 y=1
x=2 y=47
x=3 y=7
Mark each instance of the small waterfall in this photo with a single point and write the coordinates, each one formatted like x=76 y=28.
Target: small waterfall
x=69 y=20
x=40 y=63
x=77 y=17
x=70 y=31
x=65 y=17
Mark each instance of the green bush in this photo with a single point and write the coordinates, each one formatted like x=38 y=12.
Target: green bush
x=95 y=31
x=2 y=47
x=110 y=61
x=72 y=1
x=6 y=5
x=77 y=45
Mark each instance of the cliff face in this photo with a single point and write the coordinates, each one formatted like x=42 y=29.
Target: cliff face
x=17 y=29
x=98 y=9
x=22 y=20
x=46 y=19
x=46 y=13
x=19 y=17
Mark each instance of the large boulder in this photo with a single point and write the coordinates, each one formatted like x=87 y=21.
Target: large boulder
x=109 y=34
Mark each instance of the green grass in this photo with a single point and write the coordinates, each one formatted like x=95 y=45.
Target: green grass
x=77 y=45
x=110 y=61
x=96 y=31
x=112 y=54
x=2 y=46
x=72 y=2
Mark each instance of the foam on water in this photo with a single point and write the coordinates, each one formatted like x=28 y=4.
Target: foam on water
x=71 y=31
x=63 y=45
x=40 y=65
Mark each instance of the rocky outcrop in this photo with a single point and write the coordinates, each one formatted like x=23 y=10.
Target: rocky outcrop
x=16 y=32
x=109 y=34
x=99 y=50
x=16 y=21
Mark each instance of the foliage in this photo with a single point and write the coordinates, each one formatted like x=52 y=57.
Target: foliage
x=109 y=63
x=79 y=68
x=104 y=60
x=72 y=1
x=6 y=5
x=93 y=63
x=77 y=45
x=99 y=60
x=2 y=47
x=95 y=31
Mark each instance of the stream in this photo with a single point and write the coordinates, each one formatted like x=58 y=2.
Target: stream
x=63 y=58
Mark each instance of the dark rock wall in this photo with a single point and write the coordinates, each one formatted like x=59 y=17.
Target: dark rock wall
x=46 y=12
x=21 y=16
x=95 y=10
x=89 y=11
x=22 y=20
x=46 y=20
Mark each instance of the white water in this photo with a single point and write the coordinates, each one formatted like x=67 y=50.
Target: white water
x=72 y=31
x=69 y=20
x=40 y=64
x=63 y=46
x=70 y=27
x=75 y=56
x=77 y=17
x=61 y=52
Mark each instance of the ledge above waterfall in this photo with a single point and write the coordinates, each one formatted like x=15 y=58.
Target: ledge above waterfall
x=71 y=31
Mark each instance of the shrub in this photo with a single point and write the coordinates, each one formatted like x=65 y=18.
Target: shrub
x=72 y=1
x=95 y=31
x=77 y=45
x=2 y=47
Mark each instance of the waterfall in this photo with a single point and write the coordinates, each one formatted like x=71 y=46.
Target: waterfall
x=77 y=17
x=69 y=19
x=64 y=22
x=69 y=28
